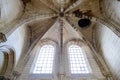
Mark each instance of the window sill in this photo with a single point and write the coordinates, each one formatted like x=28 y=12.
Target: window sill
x=41 y=76
x=86 y=75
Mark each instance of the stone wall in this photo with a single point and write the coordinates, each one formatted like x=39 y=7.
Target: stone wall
x=19 y=40
x=108 y=44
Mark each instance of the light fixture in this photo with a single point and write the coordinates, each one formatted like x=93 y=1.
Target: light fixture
x=83 y=23
x=84 y=18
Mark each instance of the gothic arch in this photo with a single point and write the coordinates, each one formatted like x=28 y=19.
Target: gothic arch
x=35 y=53
x=88 y=55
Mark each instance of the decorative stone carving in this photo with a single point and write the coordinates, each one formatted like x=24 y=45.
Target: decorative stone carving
x=2 y=37
x=15 y=75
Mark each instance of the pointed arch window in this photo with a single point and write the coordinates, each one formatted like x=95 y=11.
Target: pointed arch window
x=77 y=60
x=44 y=63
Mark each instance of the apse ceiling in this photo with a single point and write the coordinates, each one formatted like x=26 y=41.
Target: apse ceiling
x=66 y=13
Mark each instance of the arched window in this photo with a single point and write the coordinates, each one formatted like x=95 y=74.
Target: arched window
x=77 y=60
x=44 y=63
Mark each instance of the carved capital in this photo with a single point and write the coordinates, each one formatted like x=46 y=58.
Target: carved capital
x=2 y=37
x=15 y=75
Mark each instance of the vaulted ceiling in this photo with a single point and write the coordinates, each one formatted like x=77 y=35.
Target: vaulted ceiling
x=33 y=9
x=38 y=14
x=43 y=18
x=49 y=7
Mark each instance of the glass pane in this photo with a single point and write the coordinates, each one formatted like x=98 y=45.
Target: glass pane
x=77 y=61
x=44 y=61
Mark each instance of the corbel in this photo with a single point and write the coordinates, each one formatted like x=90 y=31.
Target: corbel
x=2 y=38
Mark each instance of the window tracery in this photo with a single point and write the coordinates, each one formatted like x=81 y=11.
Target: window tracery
x=44 y=61
x=77 y=60
x=74 y=59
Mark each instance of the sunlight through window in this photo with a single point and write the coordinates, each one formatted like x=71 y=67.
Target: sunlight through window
x=77 y=60
x=44 y=63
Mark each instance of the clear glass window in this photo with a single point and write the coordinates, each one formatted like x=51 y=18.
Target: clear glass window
x=44 y=63
x=77 y=60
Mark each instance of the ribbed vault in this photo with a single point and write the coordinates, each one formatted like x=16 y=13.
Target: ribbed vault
x=56 y=20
